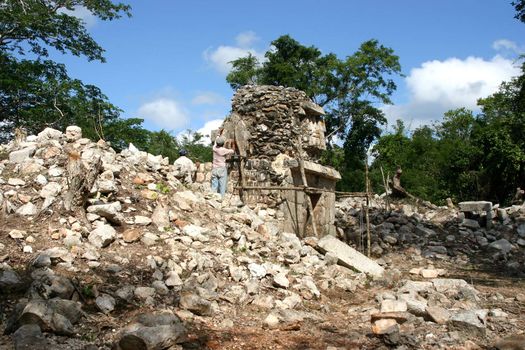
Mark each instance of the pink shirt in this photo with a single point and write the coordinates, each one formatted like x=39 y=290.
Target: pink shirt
x=219 y=156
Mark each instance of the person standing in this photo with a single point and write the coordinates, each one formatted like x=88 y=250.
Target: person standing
x=219 y=173
x=184 y=167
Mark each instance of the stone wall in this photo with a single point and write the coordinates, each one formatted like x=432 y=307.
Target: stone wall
x=266 y=124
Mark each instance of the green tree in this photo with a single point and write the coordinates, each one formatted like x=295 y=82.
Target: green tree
x=36 y=92
x=36 y=25
x=349 y=89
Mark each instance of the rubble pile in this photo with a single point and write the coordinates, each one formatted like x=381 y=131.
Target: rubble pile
x=443 y=233
x=146 y=263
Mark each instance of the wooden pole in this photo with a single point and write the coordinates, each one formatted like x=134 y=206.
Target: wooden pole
x=305 y=183
x=367 y=186
x=387 y=198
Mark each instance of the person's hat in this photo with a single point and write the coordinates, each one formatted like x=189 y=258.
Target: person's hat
x=183 y=152
x=220 y=141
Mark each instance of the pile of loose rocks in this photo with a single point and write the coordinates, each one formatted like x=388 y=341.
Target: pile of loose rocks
x=146 y=261
x=442 y=233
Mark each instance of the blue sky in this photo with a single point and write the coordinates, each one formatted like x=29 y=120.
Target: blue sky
x=167 y=64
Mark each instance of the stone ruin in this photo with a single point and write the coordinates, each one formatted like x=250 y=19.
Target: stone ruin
x=273 y=128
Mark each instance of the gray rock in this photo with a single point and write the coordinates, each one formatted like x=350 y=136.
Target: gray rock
x=110 y=211
x=102 y=236
x=55 y=315
x=350 y=257
x=501 y=245
x=42 y=260
x=160 y=287
x=72 y=239
x=416 y=305
x=424 y=231
x=160 y=333
x=9 y=279
x=50 y=286
x=125 y=293
x=439 y=249
x=29 y=336
x=469 y=321
x=144 y=292
x=105 y=183
x=264 y=301
x=438 y=314
x=470 y=223
x=257 y=271
x=271 y=321
x=195 y=303
x=521 y=230
x=149 y=238
x=105 y=303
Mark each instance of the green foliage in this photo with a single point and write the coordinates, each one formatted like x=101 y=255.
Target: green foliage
x=87 y=291
x=192 y=142
x=163 y=188
x=466 y=156
x=36 y=25
x=37 y=93
x=245 y=71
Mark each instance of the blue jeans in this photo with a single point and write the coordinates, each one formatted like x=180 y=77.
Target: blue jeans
x=219 y=180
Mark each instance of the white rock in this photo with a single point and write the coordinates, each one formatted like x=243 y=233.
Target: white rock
x=73 y=133
x=55 y=172
x=256 y=270
x=102 y=236
x=142 y=220
x=41 y=180
x=28 y=209
x=16 y=182
x=21 y=155
x=173 y=279
x=17 y=234
x=280 y=280
x=52 y=189
x=271 y=321
x=28 y=249
x=49 y=134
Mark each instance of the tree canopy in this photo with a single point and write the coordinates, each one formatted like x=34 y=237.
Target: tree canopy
x=465 y=156
x=349 y=89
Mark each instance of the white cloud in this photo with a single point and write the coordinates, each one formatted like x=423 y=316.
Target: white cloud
x=165 y=113
x=246 y=39
x=221 y=57
x=206 y=129
x=82 y=13
x=208 y=98
x=438 y=86
x=504 y=44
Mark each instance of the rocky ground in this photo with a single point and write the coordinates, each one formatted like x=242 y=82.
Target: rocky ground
x=151 y=264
